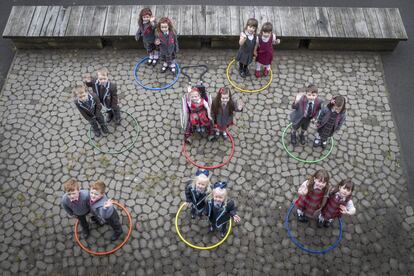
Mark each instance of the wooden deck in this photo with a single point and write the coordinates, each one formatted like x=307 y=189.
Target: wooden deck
x=217 y=22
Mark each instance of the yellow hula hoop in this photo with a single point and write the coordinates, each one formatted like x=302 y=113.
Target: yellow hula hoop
x=195 y=246
x=245 y=90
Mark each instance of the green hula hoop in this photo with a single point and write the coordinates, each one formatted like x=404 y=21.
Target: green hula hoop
x=304 y=160
x=134 y=139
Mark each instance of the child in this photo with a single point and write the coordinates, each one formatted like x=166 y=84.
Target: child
x=197 y=191
x=306 y=107
x=90 y=108
x=103 y=209
x=106 y=92
x=166 y=38
x=264 y=49
x=312 y=195
x=247 y=44
x=339 y=203
x=330 y=120
x=199 y=117
x=220 y=209
x=146 y=29
x=76 y=204
x=222 y=110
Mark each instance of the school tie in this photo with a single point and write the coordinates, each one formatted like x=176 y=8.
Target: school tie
x=309 y=111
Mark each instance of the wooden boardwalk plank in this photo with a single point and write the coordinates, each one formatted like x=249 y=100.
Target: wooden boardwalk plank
x=62 y=21
x=348 y=23
x=199 y=18
x=373 y=25
x=124 y=20
x=385 y=24
x=111 y=23
x=50 y=20
x=174 y=15
x=224 y=21
x=277 y=26
x=37 y=21
x=324 y=25
x=98 y=22
x=235 y=27
x=360 y=24
x=211 y=20
x=292 y=21
x=11 y=22
x=311 y=21
x=262 y=15
x=246 y=12
x=85 y=21
x=335 y=21
x=133 y=25
x=19 y=23
x=74 y=20
x=396 y=23
x=186 y=16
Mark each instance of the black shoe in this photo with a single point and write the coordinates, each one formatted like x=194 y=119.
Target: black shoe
x=164 y=69
x=316 y=142
x=319 y=223
x=222 y=235
x=109 y=119
x=154 y=62
x=302 y=218
x=188 y=141
x=115 y=236
x=118 y=122
x=323 y=144
x=105 y=130
x=210 y=229
x=302 y=139
x=149 y=61
x=97 y=133
x=242 y=74
x=293 y=140
x=85 y=234
x=327 y=224
x=97 y=221
x=247 y=72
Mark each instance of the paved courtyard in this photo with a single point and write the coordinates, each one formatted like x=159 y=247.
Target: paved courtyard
x=44 y=142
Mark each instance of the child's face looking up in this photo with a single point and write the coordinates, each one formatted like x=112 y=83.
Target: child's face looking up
x=337 y=109
x=164 y=27
x=251 y=29
x=266 y=34
x=194 y=96
x=311 y=96
x=201 y=185
x=219 y=196
x=146 y=18
x=103 y=79
x=344 y=191
x=319 y=184
x=225 y=99
x=74 y=195
x=95 y=194
x=82 y=95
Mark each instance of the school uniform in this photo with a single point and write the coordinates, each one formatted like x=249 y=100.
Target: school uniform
x=108 y=97
x=197 y=199
x=198 y=117
x=329 y=122
x=309 y=203
x=147 y=32
x=265 y=49
x=91 y=111
x=79 y=208
x=168 y=46
x=108 y=215
x=223 y=119
x=220 y=216
x=304 y=111
x=332 y=210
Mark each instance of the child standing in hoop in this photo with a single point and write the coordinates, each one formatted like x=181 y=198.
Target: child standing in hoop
x=339 y=203
x=330 y=120
x=222 y=110
x=107 y=93
x=264 y=49
x=220 y=209
x=166 y=38
x=197 y=191
x=247 y=44
x=313 y=194
x=146 y=30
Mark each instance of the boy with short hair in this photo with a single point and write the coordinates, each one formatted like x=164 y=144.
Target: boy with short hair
x=107 y=93
x=103 y=210
x=306 y=107
x=76 y=204
x=89 y=106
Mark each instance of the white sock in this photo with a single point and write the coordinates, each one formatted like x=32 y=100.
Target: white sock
x=258 y=66
x=300 y=212
x=268 y=67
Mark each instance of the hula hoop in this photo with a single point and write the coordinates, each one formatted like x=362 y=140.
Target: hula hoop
x=134 y=139
x=246 y=90
x=196 y=246
x=303 y=247
x=187 y=156
x=304 y=160
x=154 y=88
x=194 y=66
x=102 y=253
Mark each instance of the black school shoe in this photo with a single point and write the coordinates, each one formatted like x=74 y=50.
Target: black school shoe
x=85 y=234
x=149 y=61
x=164 y=69
x=247 y=72
x=97 y=133
x=105 y=130
x=327 y=224
x=222 y=235
x=319 y=223
x=302 y=218
x=97 y=221
x=302 y=139
x=115 y=236
x=293 y=140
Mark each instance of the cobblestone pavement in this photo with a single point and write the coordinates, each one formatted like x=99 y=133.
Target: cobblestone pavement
x=44 y=142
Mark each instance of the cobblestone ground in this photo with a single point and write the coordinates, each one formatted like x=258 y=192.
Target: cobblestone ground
x=44 y=142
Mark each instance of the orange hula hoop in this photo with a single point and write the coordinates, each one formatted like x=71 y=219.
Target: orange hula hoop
x=103 y=253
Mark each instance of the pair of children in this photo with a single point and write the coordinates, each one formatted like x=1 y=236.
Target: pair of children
x=160 y=39
x=201 y=116
x=317 y=199
x=90 y=104
x=260 y=46
x=78 y=203
x=307 y=106
x=210 y=201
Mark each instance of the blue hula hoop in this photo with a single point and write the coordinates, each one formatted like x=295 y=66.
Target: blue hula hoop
x=154 y=88
x=303 y=247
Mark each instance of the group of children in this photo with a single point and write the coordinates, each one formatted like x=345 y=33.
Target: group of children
x=211 y=201
x=89 y=103
x=79 y=203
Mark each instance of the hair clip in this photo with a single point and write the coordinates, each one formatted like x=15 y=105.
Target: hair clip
x=221 y=90
x=202 y=171
x=220 y=185
x=333 y=101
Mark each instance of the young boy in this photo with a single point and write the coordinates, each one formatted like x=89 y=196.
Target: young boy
x=90 y=108
x=103 y=210
x=76 y=204
x=106 y=92
x=306 y=107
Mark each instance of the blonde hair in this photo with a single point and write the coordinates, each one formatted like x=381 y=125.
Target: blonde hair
x=76 y=90
x=103 y=71
x=99 y=186
x=220 y=191
x=71 y=185
x=202 y=178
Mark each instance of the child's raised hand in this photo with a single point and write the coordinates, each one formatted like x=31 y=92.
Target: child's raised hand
x=107 y=204
x=343 y=209
x=240 y=105
x=237 y=219
x=303 y=191
x=278 y=41
x=298 y=96
x=152 y=19
x=157 y=41
x=189 y=89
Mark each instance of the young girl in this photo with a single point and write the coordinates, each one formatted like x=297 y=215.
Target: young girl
x=247 y=44
x=166 y=38
x=146 y=29
x=330 y=120
x=199 y=117
x=222 y=110
x=312 y=195
x=339 y=203
x=197 y=191
x=220 y=209
x=264 y=49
